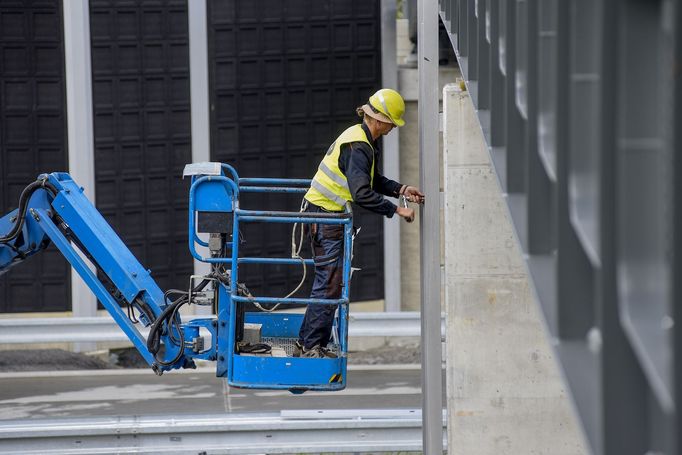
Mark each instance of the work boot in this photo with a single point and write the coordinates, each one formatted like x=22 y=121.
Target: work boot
x=318 y=352
x=298 y=349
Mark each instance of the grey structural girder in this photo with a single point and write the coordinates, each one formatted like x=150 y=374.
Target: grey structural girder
x=579 y=102
x=429 y=234
x=78 y=70
x=200 y=103
x=391 y=163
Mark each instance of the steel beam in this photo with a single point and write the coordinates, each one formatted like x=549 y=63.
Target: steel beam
x=80 y=133
x=429 y=235
x=199 y=100
x=587 y=159
x=199 y=91
x=391 y=162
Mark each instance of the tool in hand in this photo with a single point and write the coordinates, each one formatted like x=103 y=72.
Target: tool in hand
x=402 y=200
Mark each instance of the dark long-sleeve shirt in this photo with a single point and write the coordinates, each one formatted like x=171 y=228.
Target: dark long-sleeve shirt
x=355 y=161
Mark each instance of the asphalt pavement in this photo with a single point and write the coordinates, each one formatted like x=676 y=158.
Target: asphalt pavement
x=85 y=393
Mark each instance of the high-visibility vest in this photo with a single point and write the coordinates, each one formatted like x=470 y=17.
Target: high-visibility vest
x=329 y=188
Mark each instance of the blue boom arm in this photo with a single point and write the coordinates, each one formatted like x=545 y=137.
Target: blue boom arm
x=55 y=209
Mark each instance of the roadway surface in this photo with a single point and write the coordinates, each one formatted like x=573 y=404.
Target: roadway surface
x=90 y=393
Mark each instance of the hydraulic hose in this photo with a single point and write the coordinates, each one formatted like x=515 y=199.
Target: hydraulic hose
x=23 y=207
x=169 y=317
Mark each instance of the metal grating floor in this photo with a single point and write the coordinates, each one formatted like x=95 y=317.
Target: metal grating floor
x=288 y=344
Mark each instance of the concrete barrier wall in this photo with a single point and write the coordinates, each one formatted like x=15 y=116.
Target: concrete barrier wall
x=505 y=395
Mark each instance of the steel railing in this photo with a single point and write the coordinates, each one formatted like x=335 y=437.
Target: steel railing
x=304 y=431
x=104 y=329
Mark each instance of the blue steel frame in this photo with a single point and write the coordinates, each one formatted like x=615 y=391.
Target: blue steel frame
x=247 y=371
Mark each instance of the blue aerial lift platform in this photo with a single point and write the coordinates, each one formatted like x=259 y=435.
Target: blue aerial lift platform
x=252 y=349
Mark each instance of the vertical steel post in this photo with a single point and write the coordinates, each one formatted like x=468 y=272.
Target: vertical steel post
x=199 y=101
x=676 y=302
x=80 y=134
x=391 y=162
x=429 y=238
x=198 y=64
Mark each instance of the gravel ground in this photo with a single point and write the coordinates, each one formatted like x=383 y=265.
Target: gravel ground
x=48 y=360
x=58 y=359
x=386 y=355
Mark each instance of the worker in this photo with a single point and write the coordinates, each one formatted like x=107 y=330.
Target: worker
x=348 y=173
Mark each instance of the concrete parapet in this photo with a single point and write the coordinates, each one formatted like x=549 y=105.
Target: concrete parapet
x=504 y=390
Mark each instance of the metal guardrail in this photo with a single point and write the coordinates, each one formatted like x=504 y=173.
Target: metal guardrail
x=312 y=431
x=580 y=103
x=104 y=329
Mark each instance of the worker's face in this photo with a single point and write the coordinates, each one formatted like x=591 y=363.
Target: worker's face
x=384 y=128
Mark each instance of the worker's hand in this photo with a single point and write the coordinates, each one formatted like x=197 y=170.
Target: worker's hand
x=413 y=194
x=406 y=213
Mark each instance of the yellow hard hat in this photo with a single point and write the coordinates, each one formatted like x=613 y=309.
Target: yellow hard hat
x=390 y=103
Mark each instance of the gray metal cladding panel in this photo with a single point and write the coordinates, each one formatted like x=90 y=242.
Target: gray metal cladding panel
x=140 y=67
x=547 y=85
x=32 y=139
x=286 y=77
x=585 y=124
x=605 y=273
x=646 y=177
